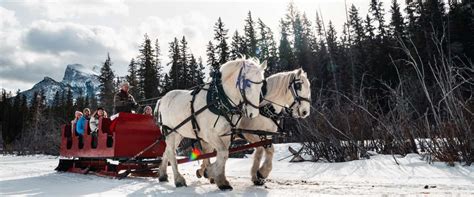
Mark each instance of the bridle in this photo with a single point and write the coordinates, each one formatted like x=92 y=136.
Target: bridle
x=295 y=86
x=243 y=83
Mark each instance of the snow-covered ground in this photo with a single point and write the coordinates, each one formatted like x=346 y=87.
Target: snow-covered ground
x=378 y=176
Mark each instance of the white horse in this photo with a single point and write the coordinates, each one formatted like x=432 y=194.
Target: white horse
x=241 y=82
x=295 y=96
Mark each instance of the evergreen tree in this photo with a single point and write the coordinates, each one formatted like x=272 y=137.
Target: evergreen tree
x=167 y=86
x=331 y=39
x=460 y=30
x=92 y=101
x=397 y=25
x=369 y=29
x=185 y=70
x=220 y=35
x=355 y=22
x=194 y=78
x=107 y=89
x=175 y=71
x=285 y=52
x=237 y=46
x=148 y=72
x=267 y=46
x=132 y=78
x=250 y=36
x=158 y=66
x=376 y=8
x=200 y=72
x=211 y=57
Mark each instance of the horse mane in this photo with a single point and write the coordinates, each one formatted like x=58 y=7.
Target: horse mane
x=277 y=84
x=235 y=65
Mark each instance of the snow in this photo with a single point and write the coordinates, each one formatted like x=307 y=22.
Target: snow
x=380 y=175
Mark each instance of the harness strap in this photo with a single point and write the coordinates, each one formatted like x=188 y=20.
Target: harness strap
x=187 y=119
x=194 y=122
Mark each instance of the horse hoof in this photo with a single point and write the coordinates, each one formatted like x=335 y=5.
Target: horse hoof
x=259 y=176
x=179 y=184
x=163 y=178
x=211 y=180
x=198 y=174
x=259 y=182
x=226 y=188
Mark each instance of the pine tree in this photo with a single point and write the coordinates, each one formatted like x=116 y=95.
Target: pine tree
x=376 y=8
x=355 y=22
x=147 y=72
x=211 y=57
x=107 y=89
x=460 y=30
x=285 y=52
x=250 y=36
x=200 y=72
x=167 y=86
x=184 y=67
x=132 y=78
x=92 y=101
x=397 y=25
x=174 y=74
x=193 y=72
x=369 y=29
x=333 y=52
x=220 y=35
x=267 y=46
x=237 y=46
x=158 y=66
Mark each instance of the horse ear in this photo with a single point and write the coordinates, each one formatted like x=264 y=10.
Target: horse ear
x=299 y=72
x=263 y=66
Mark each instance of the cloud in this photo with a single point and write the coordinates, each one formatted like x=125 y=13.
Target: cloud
x=69 y=9
x=57 y=37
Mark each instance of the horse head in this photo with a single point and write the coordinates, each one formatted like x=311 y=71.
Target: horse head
x=300 y=89
x=242 y=80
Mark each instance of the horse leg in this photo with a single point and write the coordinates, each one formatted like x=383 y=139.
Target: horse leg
x=257 y=177
x=205 y=162
x=172 y=142
x=267 y=165
x=163 y=176
x=217 y=169
x=257 y=158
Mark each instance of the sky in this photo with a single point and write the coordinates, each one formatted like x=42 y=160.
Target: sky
x=40 y=38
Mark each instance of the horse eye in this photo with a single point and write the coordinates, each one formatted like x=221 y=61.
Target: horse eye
x=297 y=86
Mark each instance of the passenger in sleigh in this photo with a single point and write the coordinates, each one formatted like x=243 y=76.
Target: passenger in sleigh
x=77 y=116
x=94 y=122
x=148 y=111
x=123 y=101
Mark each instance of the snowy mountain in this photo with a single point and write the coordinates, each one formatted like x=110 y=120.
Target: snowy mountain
x=82 y=80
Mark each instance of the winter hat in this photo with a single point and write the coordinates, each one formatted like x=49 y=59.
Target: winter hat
x=124 y=84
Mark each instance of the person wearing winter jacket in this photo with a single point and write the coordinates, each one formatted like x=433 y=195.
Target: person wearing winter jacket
x=123 y=101
x=94 y=121
x=77 y=116
x=81 y=123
